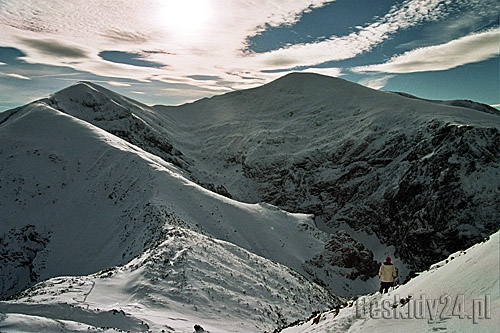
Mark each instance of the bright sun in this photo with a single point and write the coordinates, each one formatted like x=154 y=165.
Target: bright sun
x=184 y=18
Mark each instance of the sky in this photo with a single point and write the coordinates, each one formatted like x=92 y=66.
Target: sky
x=172 y=52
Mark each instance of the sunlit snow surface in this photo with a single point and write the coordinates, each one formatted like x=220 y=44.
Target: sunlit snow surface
x=460 y=294
x=146 y=203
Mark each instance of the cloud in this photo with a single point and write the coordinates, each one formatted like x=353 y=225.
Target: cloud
x=58 y=75
x=17 y=76
x=376 y=82
x=188 y=41
x=324 y=71
x=474 y=17
x=217 y=46
x=399 y=17
x=77 y=33
x=55 y=48
x=469 y=49
x=118 y=84
x=124 y=36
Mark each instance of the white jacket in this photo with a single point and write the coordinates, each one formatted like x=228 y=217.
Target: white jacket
x=387 y=272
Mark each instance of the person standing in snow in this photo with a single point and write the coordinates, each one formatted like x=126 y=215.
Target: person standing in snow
x=387 y=274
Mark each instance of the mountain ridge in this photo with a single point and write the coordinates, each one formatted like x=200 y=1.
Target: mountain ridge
x=353 y=131
x=460 y=103
x=320 y=175
x=118 y=197
x=355 y=138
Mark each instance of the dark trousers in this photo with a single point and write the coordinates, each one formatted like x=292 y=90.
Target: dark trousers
x=384 y=287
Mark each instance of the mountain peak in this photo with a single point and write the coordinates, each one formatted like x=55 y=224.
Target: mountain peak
x=313 y=83
x=91 y=102
x=86 y=93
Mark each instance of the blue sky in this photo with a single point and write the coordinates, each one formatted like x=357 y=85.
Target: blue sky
x=175 y=51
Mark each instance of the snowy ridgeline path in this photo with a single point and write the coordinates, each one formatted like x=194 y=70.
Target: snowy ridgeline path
x=187 y=279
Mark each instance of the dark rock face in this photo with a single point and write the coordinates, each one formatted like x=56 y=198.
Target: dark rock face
x=352 y=257
x=436 y=209
x=429 y=194
x=19 y=249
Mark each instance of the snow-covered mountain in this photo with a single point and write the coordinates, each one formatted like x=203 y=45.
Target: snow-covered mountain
x=420 y=175
x=186 y=279
x=179 y=285
x=76 y=200
x=247 y=211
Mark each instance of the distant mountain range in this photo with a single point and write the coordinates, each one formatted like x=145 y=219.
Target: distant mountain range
x=264 y=204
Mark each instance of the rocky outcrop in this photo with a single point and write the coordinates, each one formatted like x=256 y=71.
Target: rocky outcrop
x=347 y=257
x=18 y=250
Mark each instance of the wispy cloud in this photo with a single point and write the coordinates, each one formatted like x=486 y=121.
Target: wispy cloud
x=75 y=34
x=119 y=84
x=376 y=82
x=16 y=76
x=324 y=71
x=401 y=16
x=469 y=49
x=57 y=75
x=181 y=41
x=54 y=48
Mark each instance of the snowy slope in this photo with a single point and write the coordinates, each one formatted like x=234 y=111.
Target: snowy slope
x=350 y=155
x=153 y=131
x=460 y=103
x=128 y=119
x=404 y=177
x=421 y=176
x=459 y=294
x=186 y=279
x=75 y=199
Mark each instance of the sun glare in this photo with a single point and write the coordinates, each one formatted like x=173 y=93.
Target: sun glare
x=184 y=18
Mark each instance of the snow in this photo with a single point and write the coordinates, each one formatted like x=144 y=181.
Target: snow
x=117 y=202
x=119 y=176
x=460 y=294
x=124 y=239
x=356 y=140
x=380 y=252
x=187 y=279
